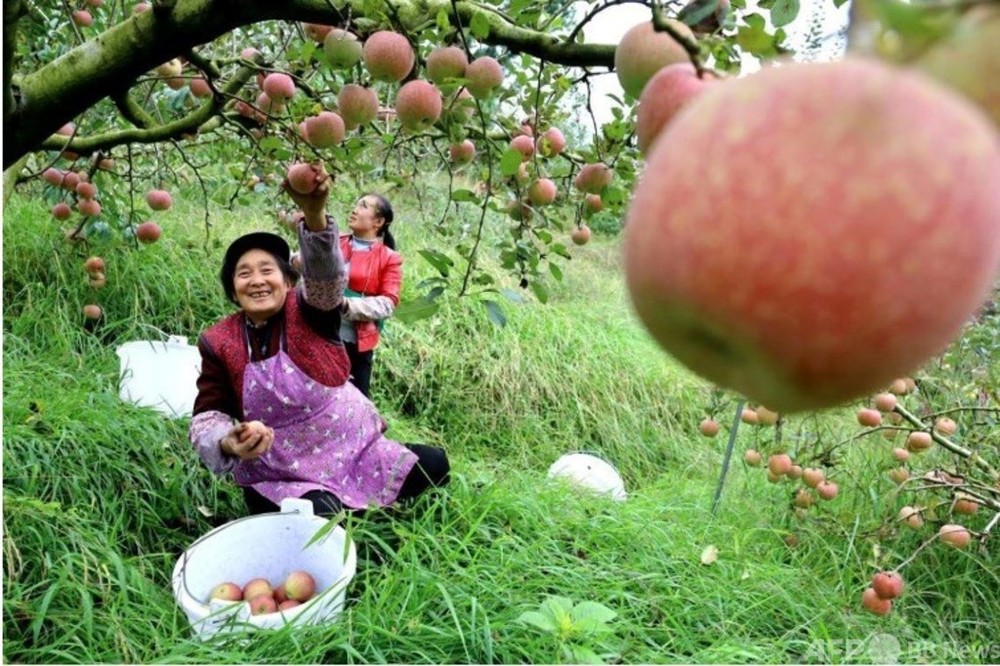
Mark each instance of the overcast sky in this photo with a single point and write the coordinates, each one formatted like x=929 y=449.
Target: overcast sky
x=611 y=24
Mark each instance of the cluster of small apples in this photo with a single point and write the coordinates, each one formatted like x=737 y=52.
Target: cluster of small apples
x=446 y=97
x=885 y=586
x=94 y=267
x=297 y=588
x=388 y=57
x=885 y=406
x=888 y=585
x=96 y=278
x=780 y=465
x=883 y=409
x=77 y=183
x=149 y=231
x=592 y=179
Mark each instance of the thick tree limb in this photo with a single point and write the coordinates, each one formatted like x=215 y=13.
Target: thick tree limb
x=146 y=131
x=46 y=99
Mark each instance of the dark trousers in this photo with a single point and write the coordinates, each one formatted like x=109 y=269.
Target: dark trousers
x=361 y=366
x=432 y=469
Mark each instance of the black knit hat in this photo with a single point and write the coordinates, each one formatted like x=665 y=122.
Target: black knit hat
x=258 y=240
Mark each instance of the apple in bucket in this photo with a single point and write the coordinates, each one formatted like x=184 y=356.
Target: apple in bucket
x=296 y=589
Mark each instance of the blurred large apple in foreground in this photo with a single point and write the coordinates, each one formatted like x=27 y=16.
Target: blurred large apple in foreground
x=806 y=234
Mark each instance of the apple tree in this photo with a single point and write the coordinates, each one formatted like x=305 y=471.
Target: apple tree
x=134 y=98
x=802 y=235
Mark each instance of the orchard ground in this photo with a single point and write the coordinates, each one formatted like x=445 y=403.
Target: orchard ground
x=102 y=497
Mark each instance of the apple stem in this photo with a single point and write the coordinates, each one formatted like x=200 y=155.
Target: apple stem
x=690 y=45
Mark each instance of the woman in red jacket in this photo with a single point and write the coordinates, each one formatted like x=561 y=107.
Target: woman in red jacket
x=375 y=274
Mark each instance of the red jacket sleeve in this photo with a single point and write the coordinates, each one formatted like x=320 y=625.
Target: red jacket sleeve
x=392 y=277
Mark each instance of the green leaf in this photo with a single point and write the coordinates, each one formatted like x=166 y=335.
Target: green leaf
x=464 y=195
x=541 y=292
x=694 y=12
x=556 y=271
x=269 y=143
x=595 y=610
x=558 y=605
x=441 y=262
x=784 y=12
x=536 y=619
x=415 y=310
x=443 y=22
x=495 y=313
x=308 y=50
x=480 y=26
x=512 y=295
x=591 y=616
x=754 y=37
x=913 y=23
x=584 y=655
x=613 y=195
x=510 y=162
x=325 y=529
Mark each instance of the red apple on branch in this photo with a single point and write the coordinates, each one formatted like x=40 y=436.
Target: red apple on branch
x=388 y=56
x=341 y=48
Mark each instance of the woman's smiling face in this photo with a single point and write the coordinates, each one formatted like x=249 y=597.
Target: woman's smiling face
x=260 y=285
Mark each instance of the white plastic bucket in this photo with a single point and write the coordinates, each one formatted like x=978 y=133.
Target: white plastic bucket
x=591 y=473
x=270 y=546
x=161 y=375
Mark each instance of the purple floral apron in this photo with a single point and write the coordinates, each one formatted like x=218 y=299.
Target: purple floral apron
x=325 y=438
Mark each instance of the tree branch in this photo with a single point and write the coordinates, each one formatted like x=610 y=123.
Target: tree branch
x=146 y=130
x=47 y=98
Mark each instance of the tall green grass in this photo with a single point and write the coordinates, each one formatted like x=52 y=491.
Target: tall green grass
x=100 y=497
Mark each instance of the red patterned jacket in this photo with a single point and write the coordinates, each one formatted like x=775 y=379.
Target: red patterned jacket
x=377 y=272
